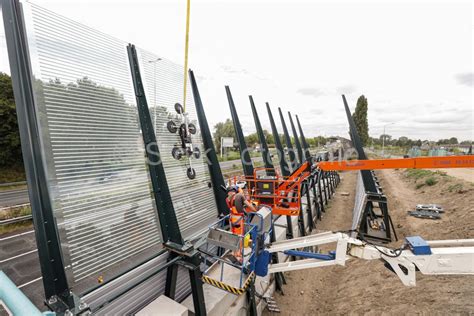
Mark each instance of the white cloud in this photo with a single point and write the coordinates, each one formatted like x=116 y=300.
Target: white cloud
x=302 y=55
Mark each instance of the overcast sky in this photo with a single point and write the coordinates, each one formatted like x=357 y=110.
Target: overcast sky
x=412 y=60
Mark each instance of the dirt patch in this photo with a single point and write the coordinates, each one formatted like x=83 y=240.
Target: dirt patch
x=367 y=287
x=466 y=174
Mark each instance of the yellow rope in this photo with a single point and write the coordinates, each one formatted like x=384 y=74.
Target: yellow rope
x=186 y=55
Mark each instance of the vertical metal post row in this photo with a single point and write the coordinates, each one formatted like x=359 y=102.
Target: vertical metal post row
x=289 y=146
x=297 y=141
x=212 y=162
x=300 y=160
x=247 y=164
x=307 y=153
x=267 y=160
x=59 y=298
x=285 y=171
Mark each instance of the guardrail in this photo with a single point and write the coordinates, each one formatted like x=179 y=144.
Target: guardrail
x=11 y=184
x=227 y=172
x=15 y=220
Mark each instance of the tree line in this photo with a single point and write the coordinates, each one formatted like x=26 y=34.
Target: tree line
x=226 y=129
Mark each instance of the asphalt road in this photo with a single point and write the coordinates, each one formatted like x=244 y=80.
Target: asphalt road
x=18 y=197
x=18 y=254
x=19 y=260
x=13 y=197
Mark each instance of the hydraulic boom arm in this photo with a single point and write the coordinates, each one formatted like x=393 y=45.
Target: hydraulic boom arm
x=429 y=257
x=402 y=163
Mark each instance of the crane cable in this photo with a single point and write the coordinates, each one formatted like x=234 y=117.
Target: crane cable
x=188 y=12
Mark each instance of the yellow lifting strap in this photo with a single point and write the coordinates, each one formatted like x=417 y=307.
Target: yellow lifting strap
x=188 y=12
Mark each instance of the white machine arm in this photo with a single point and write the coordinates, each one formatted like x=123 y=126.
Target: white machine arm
x=429 y=257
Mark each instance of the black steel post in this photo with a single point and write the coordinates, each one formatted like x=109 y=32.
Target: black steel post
x=297 y=141
x=164 y=205
x=308 y=205
x=251 y=302
x=247 y=164
x=328 y=184
x=303 y=140
x=59 y=298
x=289 y=146
x=326 y=195
x=315 y=196
x=195 y=275
x=212 y=162
x=285 y=170
x=267 y=160
x=320 y=191
x=369 y=183
x=171 y=278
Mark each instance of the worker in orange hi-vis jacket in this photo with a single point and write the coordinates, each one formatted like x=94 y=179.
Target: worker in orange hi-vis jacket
x=237 y=204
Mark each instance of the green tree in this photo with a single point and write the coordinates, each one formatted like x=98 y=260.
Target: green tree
x=360 y=119
x=320 y=141
x=453 y=140
x=251 y=139
x=385 y=138
x=10 y=153
x=223 y=129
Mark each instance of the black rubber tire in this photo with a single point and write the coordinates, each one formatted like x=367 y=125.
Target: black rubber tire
x=179 y=108
x=172 y=128
x=176 y=153
x=197 y=153
x=192 y=128
x=191 y=173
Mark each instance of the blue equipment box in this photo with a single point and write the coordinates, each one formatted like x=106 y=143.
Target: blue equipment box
x=418 y=245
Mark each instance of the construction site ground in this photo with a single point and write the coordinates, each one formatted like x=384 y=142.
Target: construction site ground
x=367 y=287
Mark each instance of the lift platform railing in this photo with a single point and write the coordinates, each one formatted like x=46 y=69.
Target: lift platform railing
x=243 y=249
x=267 y=190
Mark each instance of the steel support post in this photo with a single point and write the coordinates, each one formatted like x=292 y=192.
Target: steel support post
x=307 y=153
x=267 y=160
x=297 y=141
x=289 y=146
x=251 y=302
x=59 y=298
x=195 y=275
x=279 y=277
x=320 y=191
x=285 y=171
x=309 y=209
x=315 y=197
x=326 y=193
x=171 y=279
x=247 y=164
x=301 y=221
x=172 y=237
x=213 y=164
x=370 y=184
